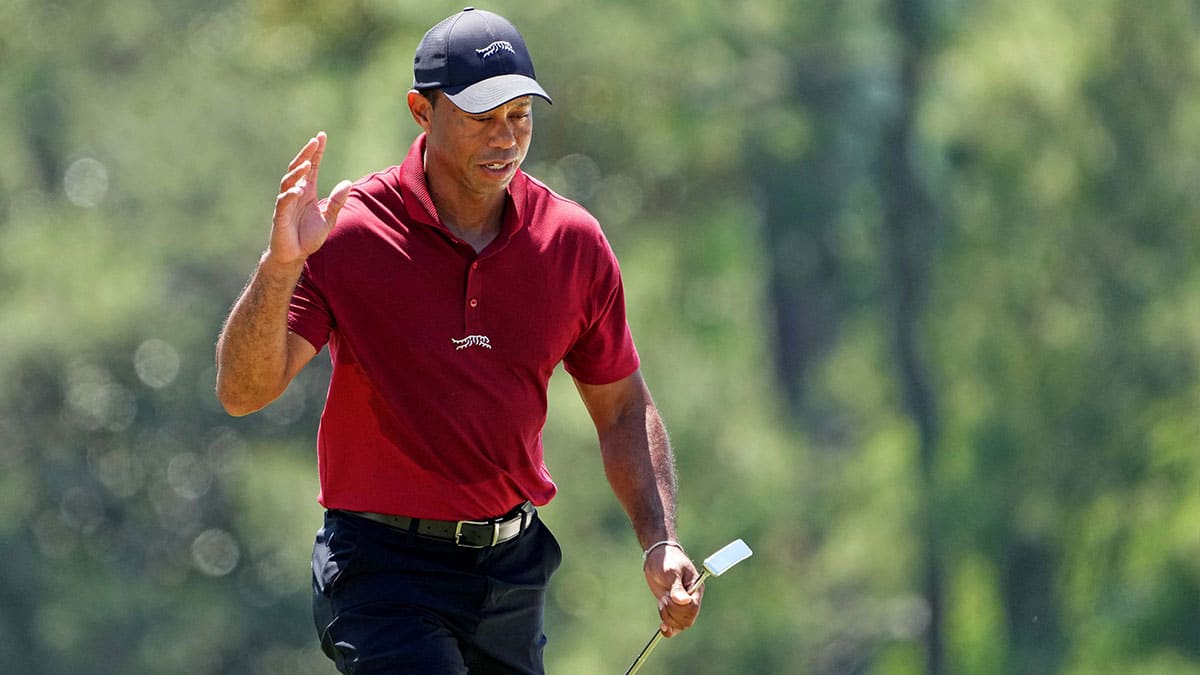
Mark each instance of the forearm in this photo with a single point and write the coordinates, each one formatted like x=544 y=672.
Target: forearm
x=252 y=351
x=641 y=470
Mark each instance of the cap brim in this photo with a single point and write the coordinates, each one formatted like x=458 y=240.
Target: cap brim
x=494 y=91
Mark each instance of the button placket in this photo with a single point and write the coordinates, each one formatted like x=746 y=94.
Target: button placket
x=471 y=301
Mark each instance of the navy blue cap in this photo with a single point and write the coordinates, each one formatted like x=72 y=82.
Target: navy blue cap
x=478 y=59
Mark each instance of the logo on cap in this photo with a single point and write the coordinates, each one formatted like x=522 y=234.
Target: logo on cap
x=496 y=46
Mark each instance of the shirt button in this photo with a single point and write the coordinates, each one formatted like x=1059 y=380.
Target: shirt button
x=475 y=265
x=474 y=302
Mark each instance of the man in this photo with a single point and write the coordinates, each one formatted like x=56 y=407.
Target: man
x=448 y=289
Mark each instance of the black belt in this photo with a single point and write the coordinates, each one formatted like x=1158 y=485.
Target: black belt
x=464 y=533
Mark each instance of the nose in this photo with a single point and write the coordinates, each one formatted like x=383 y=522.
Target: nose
x=502 y=135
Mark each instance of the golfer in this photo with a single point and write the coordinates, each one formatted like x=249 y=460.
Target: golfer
x=448 y=289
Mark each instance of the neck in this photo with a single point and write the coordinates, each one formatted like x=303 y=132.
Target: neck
x=476 y=219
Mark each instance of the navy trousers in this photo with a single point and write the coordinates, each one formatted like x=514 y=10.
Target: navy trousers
x=386 y=601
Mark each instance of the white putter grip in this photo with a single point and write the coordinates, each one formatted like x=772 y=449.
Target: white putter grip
x=715 y=565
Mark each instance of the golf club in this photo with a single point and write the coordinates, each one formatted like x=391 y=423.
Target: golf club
x=714 y=565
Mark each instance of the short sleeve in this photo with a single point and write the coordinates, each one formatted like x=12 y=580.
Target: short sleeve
x=308 y=313
x=605 y=351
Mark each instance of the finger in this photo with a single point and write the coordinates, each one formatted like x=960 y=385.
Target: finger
x=673 y=624
x=665 y=627
x=292 y=177
x=285 y=207
x=676 y=620
x=677 y=608
x=289 y=195
x=318 y=153
x=337 y=199
x=304 y=153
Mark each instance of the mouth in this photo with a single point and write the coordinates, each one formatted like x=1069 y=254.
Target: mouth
x=499 y=167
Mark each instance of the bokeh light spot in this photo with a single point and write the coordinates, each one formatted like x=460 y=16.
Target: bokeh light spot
x=156 y=363
x=86 y=182
x=95 y=402
x=581 y=176
x=215 y=552
x=189 y=475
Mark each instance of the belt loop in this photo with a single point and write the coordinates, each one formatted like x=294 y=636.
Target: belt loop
x=412 y=530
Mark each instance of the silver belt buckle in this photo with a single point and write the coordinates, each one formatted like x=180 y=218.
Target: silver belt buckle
x=458 y=533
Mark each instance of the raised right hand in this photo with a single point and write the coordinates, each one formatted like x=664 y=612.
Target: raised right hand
x=300 y=226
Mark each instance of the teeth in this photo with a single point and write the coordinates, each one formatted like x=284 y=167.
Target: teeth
x=495 y=166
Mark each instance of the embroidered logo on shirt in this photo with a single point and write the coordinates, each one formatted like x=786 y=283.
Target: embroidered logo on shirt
x=472 y=341
x=496 y=46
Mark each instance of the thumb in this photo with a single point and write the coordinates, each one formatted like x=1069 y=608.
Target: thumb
x=679 y=594
x=337 y=199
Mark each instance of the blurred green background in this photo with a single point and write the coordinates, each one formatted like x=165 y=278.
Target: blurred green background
x=915 y=283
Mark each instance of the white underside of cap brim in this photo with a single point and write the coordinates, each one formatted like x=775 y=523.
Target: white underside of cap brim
x=495 y=91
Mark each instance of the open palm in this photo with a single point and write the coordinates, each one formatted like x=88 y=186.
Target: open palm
x=301 y=223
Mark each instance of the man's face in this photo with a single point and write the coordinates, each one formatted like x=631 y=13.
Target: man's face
x=478 y=153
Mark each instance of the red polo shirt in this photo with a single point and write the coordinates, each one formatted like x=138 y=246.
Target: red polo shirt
x=441 y=356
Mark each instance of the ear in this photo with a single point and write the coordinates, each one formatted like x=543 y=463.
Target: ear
x=421 y=109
